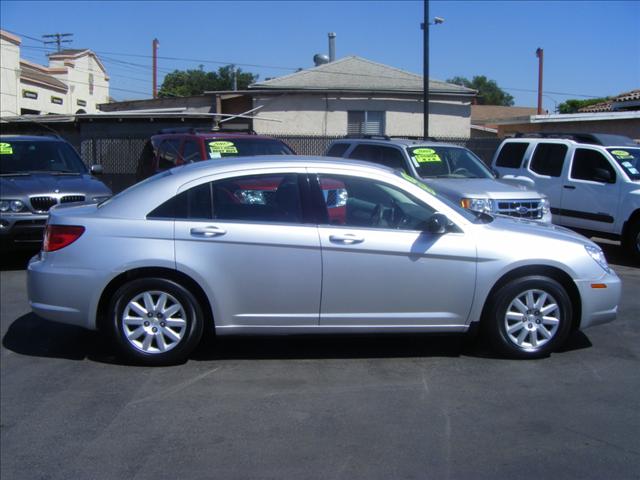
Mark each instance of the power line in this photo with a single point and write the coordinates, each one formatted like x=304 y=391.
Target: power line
x=59 y=39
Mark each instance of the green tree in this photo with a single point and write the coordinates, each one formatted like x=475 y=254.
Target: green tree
x=489 y=93
x=183 y=83
x=572 y=106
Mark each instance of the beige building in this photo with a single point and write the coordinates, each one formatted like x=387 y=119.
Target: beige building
x=75 y=81
x=357 y=96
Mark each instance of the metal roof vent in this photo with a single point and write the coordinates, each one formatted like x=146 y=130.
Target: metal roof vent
x=320 y=59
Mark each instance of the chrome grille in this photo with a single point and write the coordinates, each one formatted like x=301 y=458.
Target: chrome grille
x=43 y=204
x=72 y=198
x=520 y=208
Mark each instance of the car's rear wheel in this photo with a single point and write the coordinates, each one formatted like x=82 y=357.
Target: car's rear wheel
x=529 y=317
x=155 y=321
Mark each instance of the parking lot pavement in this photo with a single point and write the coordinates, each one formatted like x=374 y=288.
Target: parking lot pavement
x=332 y=407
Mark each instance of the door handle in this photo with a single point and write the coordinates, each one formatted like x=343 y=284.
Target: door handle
x=569 y=187
x=208 y=232
x=346 y=239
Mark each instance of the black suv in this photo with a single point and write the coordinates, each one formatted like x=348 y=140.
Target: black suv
x=173 y=147
x=37 y=173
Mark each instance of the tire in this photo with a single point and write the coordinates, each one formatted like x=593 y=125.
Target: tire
x=631 y=241
x=155 y=321
x=518 y=325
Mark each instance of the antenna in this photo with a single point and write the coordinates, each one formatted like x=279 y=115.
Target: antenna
x=59 y=39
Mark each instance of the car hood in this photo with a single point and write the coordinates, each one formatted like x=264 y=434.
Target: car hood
x=540 y=229
x=457 y=188
x=45 y=183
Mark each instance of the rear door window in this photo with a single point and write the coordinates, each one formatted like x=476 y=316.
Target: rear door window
x=548 y=159
x=337 y=150
x=387 y=156
x=511 y=155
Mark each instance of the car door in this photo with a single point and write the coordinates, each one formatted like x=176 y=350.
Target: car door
x=246 y=241
x=590 y=192
x=546 y=167
x=381 y=270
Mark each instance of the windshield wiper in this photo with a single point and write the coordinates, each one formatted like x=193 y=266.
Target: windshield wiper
x=14 y=174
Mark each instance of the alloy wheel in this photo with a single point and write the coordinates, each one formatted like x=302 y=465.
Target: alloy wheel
x=532 y=319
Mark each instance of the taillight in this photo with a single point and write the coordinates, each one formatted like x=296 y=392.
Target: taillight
x=60 y=236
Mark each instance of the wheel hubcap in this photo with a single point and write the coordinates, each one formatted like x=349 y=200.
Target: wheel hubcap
x=154 y=322
x=532 y=319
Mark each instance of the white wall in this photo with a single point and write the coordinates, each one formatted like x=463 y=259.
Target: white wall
x=9 y=73
x=77 y=78
x=43 y=103
x=319 y=114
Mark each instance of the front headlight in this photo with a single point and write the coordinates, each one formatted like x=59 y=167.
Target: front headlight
x=544 y=205
x=484 y=205
x=14 y=206
x=598 y=256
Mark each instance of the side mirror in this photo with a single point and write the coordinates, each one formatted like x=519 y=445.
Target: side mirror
x=437 y=224
x=97 y=170
x=602 y=175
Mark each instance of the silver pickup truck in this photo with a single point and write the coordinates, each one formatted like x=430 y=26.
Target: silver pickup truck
x=452 y=171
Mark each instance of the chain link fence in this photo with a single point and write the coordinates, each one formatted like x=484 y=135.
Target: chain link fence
x=119 y=155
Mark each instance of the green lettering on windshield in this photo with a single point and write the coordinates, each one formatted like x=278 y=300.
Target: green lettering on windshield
x=424 y=187
x=425 y=155
x=620 y=153
x=221 y=148
x=6 y=149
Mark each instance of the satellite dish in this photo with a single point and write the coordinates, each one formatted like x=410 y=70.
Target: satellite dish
x=320 y=59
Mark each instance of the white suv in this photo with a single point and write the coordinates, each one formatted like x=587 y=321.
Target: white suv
x=591 y=180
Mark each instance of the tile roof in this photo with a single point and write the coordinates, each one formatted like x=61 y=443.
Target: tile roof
x=358 y=74
x=30 y=73
x=628 y=96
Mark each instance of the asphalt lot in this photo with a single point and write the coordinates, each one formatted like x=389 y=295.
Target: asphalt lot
x=392 y=407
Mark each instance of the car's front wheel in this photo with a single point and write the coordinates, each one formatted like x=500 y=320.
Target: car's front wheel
x=155 y=321
x=529 y=317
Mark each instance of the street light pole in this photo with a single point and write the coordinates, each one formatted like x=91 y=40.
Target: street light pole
x=425 y=78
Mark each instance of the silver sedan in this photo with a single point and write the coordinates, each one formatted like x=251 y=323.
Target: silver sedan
x=310 y=245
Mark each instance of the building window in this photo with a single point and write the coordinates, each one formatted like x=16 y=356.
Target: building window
x=30 y=94
x=81 y=103
x=362 y=122
x=56 y=100
x=91 y=84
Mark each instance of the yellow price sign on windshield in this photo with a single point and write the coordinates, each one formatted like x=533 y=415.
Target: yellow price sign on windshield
x=426 y=155
x=6 y=149
x=223 y=147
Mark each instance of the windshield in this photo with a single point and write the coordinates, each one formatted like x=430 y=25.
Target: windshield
x=447 y=162
x=470 y=215
x=628 y=159
x=23 y=157
x=239 y=147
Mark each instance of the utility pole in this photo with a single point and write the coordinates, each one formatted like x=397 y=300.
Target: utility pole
x=425 y=78
x=154 y=46
x=234 y=76
x=540 y=55
x=59 y=39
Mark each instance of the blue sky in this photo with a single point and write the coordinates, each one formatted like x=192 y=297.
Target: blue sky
x=590 y=48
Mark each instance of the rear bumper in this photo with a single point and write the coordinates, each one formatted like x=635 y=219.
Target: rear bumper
x=65 y=295
x=599 y=305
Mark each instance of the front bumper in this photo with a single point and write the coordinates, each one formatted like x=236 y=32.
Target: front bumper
x=600 y=299
x=22 y=229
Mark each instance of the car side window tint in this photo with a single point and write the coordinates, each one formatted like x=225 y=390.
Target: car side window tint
x=592 y=165
x=387 y=156
x=193 y=204
x=392 y=158
x=337 y=150
x=191 y=151
x=548 y=159
x=168 y=154
x=511 y=155
x=370 y=153
x=358 y=202
x=258 y=198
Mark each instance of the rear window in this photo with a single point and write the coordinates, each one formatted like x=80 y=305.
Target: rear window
x=511 y=155
x=548 y=159
x=240 y=147
x=337 y=150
